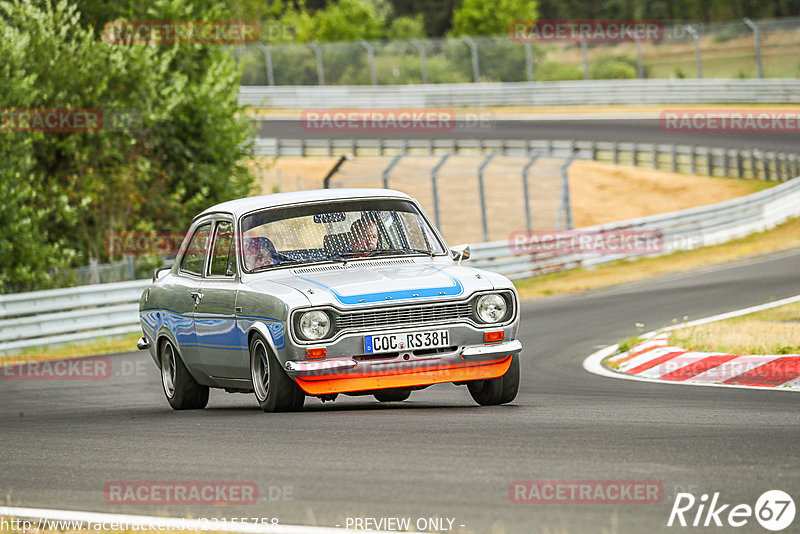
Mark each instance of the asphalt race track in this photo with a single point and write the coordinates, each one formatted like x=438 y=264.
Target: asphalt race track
x=437 y=454
x=623 y=130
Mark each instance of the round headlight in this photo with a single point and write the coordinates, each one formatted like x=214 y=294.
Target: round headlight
x=492 y=308
x=314 y=325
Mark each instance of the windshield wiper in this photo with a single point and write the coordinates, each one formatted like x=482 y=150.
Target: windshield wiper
x=282 y=263
x=386 y=251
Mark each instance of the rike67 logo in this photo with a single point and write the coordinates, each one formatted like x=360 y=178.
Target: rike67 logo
x=774 y=510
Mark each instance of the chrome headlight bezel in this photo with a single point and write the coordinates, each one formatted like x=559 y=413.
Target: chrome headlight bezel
x=492 y=308
x=314 y=325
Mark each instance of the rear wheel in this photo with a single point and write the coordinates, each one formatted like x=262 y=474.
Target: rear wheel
x=182 y=391
x=498 y=390
x=275 y=391
x=393 y=395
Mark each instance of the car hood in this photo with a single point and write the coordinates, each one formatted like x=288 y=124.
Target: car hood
x=364 y=283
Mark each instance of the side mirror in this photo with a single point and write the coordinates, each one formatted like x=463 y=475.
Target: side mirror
x=160 y=272
x=460 y=253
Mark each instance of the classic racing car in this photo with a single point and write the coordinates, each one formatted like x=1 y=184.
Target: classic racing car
x=317 y=293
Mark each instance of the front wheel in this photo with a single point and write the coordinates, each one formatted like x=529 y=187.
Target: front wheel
x=275 y=391
x=182 y=391
x=498 y=390
x=393 y=395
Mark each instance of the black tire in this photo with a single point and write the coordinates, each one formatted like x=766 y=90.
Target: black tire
x=393 y=395
x=500 y=390
x=181 y=390
x=274 y=390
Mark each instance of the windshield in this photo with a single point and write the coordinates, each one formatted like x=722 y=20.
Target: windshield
x=335 y=231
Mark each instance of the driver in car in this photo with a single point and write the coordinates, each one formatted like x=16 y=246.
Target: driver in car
x=364 y=235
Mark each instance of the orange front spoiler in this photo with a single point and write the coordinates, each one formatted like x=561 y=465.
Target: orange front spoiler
x=346 y=383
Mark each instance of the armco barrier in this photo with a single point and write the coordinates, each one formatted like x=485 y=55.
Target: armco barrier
x=682 y=230
x=559 y=93
x=88 y=312
x=74 y=314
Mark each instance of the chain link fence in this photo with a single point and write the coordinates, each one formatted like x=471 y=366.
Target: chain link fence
x=477 y=197
x=764 y=48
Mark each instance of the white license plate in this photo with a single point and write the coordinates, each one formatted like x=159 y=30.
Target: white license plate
x=430 y=339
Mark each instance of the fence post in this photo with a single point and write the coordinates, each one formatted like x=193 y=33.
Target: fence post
x=639 y=60
x=694 y=159
x=388 y=169
x=483 y=195
x=94 y=271
x=616 y=153
x=739 y=163
x=476 y=72
x=710 y=161
x=753 y=168
x=268 y=60
x=529 y=60
x=765 y=166
x=674 y=150
x=320 y=71
x=565 y=209
x=371 y=57
x=528 y=224
x=655 y=155
x=697 y=58
x=130 y=267
x=420 y=46
x=757 y=44
x=585 y=59
x=635 y=155
x=435 y=190
x=326 y=182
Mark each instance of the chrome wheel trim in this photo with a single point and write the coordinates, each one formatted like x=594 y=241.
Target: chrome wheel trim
x=168 y=369
x=259 y=369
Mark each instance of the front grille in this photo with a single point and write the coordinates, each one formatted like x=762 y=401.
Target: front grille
x=409 y=315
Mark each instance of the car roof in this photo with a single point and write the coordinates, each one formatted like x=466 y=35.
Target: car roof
x=245 y=205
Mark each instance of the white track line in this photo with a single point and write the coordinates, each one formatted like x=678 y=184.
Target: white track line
x=164 y=523
x=594 y=362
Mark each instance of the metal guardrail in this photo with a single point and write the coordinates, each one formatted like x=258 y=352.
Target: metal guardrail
x=711 y=161
x=681 y=230
x=559 y=93
x=61 y=316
x=83 y=313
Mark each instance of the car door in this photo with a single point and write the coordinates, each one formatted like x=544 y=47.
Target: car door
x=218 y=340
x=184 y=289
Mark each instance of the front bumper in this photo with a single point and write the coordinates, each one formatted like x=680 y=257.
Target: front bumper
x=345 y=375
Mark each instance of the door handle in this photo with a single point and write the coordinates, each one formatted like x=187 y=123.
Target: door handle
x=196 y=296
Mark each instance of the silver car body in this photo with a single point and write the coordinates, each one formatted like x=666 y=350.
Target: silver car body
x=210 y=319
